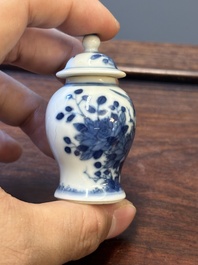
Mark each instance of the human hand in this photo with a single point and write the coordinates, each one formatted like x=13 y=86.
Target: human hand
x=29 y=40
x=56 y=232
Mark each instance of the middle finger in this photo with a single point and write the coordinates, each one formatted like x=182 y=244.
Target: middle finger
x=20 y=106
x=43 y=51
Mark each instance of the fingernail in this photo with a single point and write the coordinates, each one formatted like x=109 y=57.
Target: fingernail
x=122 y=217
x=117 y=23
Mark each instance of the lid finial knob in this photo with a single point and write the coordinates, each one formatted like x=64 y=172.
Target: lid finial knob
x=91 y=43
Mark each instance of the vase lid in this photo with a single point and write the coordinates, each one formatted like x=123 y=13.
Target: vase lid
x=90 y=62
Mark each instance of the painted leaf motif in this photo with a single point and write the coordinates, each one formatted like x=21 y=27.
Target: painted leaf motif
x=90 y=141
x=116 y=164
x=101 y=100
x=102 y=112
x=68 y=109
x=83 y=148
x=69 y=96
x=67 y=140
x=98 y=173
x=60 y=116
x=98 y=165
x=111 y=157
x=85 y=97
x=86 y=155
x=78 y=91
x=114 y=116
x=123 y=118
x=112 y=107
x=96 y=56
x=91 y=109
x=76 y=153
x=123 y=109
x=79 y=137
x=97 y=154
x=107 y=172
x=116 y=104
x=70 y=117
x=98 y=145
x=105 y=60
x=124 y=129
x=80 y=127
x=111 y=140
x=68 y=150
x=89 y=122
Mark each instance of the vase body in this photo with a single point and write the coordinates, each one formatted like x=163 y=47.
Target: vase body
x=90 y=126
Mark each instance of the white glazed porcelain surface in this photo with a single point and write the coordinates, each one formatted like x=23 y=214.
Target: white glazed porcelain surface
x=91 y=62
x=90 y=124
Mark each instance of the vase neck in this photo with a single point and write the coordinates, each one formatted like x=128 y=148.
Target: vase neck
x=92 y=79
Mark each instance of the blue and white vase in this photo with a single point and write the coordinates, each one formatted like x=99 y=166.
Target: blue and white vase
x=90 y=124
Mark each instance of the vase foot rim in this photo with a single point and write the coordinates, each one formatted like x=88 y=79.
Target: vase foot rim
x=91 y=199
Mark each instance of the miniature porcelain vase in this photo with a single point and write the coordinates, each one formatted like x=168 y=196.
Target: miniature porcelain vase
x=90 y=125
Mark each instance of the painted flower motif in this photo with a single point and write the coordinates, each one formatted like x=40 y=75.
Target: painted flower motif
x=95 y=133
x=106 y=137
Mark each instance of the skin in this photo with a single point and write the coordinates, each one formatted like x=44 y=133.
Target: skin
x=32 y=35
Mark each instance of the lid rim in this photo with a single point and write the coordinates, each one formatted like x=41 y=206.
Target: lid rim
x=90 y=72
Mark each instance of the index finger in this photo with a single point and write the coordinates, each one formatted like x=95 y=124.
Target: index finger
x=73 y=17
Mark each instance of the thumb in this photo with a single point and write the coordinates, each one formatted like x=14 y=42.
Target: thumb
x=68 y=231
x=56 y=232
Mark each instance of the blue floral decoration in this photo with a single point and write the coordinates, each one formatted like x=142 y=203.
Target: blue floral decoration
x=104 y=136
x=105 y=59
